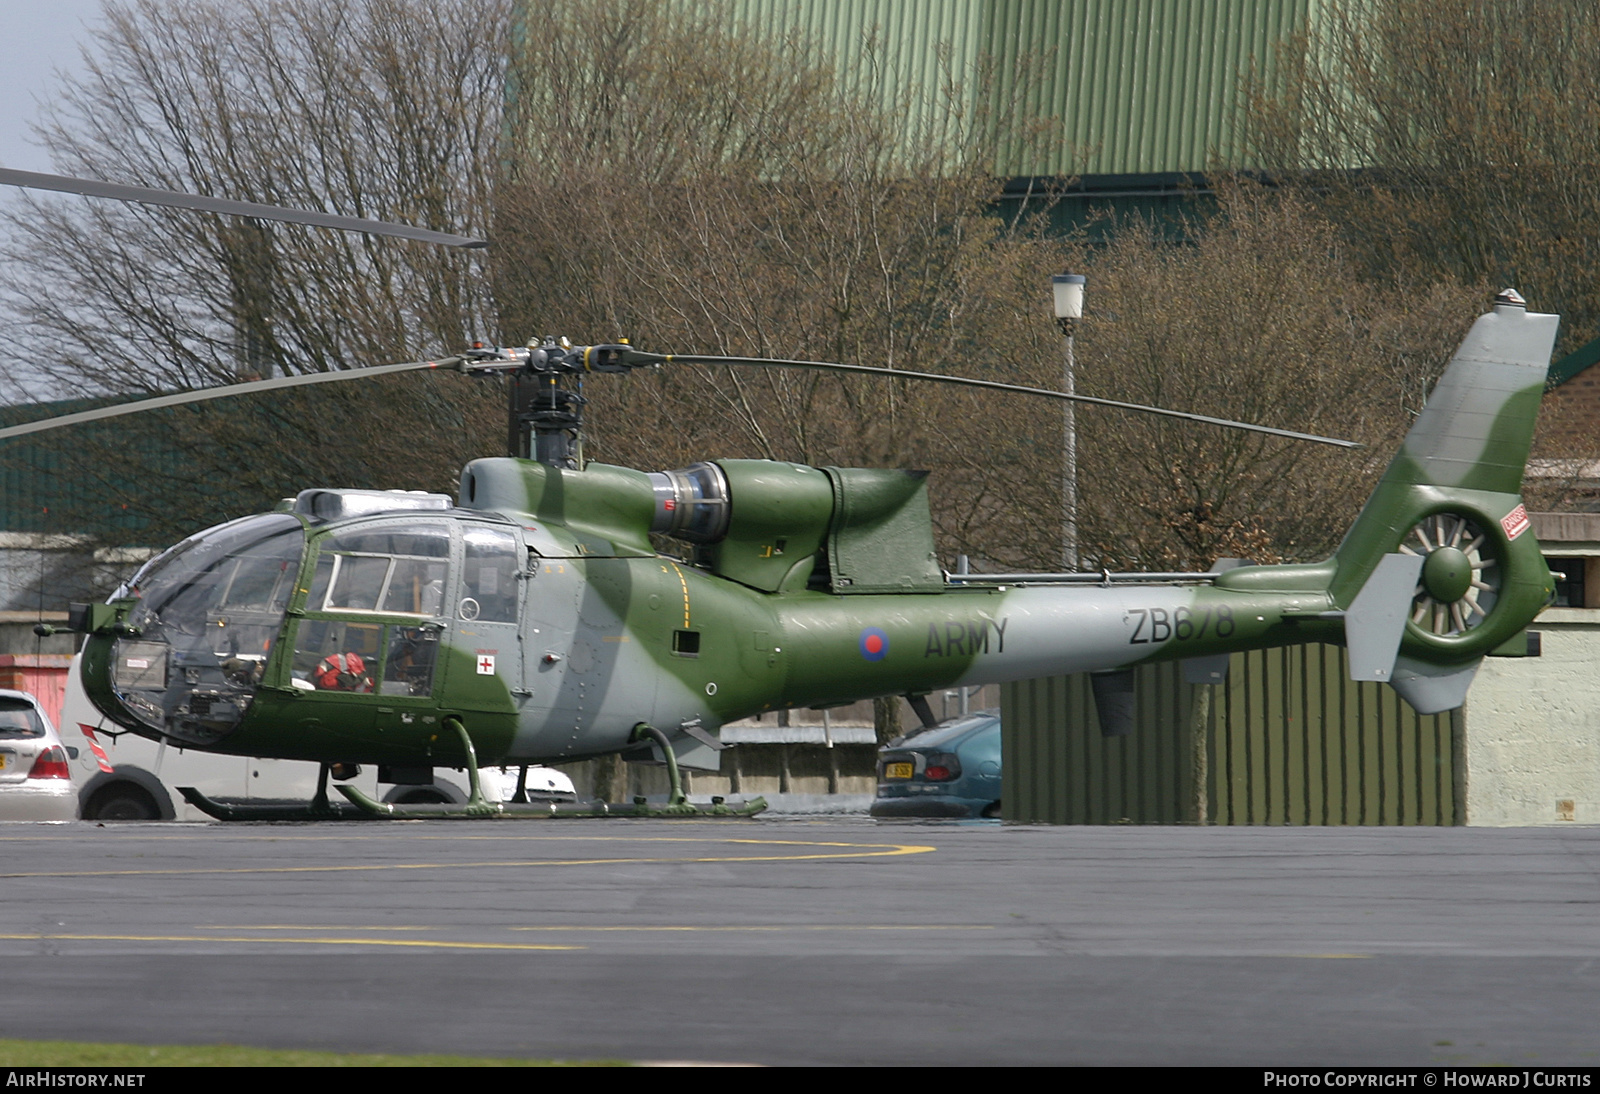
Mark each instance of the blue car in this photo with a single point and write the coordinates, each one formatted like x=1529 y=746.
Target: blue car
x=951 y=770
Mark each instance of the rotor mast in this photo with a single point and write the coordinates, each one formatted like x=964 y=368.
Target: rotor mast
x=544 y=420
x=544 y=400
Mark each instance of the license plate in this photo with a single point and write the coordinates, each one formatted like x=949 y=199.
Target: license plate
x=898 y=771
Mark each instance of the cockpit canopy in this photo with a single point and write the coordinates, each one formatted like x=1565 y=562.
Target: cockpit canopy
x=211 y=611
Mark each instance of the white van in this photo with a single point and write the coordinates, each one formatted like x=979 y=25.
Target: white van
x=127 y=777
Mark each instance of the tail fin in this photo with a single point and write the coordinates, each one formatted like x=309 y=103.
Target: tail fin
x=1452 y=498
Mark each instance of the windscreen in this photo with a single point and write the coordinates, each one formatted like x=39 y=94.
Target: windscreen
x=209 y=612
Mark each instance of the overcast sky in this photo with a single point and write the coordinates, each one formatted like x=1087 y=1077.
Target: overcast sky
x=36 y=38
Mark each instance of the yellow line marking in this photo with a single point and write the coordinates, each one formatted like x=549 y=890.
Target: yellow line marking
x=650 y=928
x=312 y=927
x=685 y=584
x=280 y=940
x=223 y=833
x=218 y=832
x=885 y=850
x=790 y=927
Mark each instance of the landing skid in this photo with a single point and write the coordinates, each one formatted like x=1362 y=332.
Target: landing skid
x=318 y=808
x=359 y=806
x=487 y=810
x=362 y=807
x=313 y=810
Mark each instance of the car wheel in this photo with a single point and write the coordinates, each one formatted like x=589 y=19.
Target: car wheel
x=440 y=793
x=122 y=803
x=422 y=795
x=992 y=810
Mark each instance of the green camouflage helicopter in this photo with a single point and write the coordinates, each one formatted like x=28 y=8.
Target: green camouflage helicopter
x=531 y=619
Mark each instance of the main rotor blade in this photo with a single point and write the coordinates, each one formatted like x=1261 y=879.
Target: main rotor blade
x=993 y=385
x=89 y=188
x=205 y=394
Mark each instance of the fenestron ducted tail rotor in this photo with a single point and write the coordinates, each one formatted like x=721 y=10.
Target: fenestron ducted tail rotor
x=1461 y=574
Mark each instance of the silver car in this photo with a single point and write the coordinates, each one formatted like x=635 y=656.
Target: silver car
x=35 y=777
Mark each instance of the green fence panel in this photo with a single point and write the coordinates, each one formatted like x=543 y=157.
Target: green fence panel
x=1287 y=739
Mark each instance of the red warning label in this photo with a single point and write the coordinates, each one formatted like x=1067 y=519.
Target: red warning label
x=1515 y=522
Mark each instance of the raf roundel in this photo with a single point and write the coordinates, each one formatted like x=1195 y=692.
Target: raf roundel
x=874 y=644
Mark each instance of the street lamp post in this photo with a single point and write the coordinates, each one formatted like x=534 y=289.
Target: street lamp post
x=1067 y=289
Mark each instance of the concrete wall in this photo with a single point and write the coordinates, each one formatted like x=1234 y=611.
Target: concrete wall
x=804 y=765
x=49 y=571
x=16 y=633
x=1530 y=750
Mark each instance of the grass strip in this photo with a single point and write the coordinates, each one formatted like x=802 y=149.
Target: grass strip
x=81 y=1054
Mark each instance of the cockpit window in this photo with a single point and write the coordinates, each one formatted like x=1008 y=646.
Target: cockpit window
x=489 y=585
x=401 y=570
x=338 y=655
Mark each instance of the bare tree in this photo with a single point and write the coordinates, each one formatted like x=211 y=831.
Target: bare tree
x=663 y=176
x=1451 y=139
x=378 y=108
x=1259 y=317
x=702 y=190
x=756 y=206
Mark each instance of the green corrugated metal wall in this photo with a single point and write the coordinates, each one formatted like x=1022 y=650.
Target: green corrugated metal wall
x=897 y=48
x=1057 y=769
x=1294 y=741
x=51 y=483
x=1139 y=86
x=1288 y=739
x=40 y=490
x=1144 y=85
